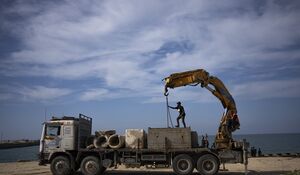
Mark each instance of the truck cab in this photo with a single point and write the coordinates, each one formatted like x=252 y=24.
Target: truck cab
x=62 y=137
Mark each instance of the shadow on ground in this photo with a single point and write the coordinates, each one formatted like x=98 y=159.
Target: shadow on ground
x=255 y=173
x=171 y=173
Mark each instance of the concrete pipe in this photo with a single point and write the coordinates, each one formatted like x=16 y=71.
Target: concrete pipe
x=115 y=141
x=101 y=141
x=107 y=133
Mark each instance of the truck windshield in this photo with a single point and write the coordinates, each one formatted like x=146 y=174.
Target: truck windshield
x=53 y=130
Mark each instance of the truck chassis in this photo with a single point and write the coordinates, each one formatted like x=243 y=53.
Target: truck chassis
x=183 y=161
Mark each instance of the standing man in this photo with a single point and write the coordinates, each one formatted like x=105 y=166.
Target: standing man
x=181 y=115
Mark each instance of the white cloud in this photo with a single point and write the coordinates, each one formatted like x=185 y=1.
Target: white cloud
x=196 y=94
x=94 y=94
x=42 y=93
x=268 y=89
x=112 y=40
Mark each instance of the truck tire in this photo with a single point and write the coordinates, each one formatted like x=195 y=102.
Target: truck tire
x=183 y=164
x=91 y=165
x=60 y=165
x=208 y=165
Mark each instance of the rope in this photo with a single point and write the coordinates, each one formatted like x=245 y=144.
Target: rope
x=169 y=118
x=168 y=111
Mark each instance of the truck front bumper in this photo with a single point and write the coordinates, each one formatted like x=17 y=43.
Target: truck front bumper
x=43 y=158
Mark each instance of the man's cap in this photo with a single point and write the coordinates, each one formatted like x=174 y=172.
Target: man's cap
x=179 y=102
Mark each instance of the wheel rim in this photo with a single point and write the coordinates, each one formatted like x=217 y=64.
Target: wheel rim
x=91 y=167
x=208 y=165
x=61 y=166
x=183 y=165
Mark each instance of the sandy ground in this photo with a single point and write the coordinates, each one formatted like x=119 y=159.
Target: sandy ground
x=260 y=166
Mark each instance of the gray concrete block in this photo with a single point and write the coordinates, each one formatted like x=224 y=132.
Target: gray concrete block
x=169 y=138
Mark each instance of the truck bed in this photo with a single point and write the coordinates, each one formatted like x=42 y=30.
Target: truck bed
x=146 y=150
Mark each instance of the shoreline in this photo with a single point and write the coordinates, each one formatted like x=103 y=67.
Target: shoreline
x=258 y=165
x=18 y=144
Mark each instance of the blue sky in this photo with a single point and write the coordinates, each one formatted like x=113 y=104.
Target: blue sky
x=106 y=59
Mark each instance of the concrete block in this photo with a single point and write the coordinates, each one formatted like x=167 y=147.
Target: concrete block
x=169 y=138
x=135 y=138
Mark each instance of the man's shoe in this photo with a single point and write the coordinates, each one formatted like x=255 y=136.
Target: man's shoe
x=177 y=126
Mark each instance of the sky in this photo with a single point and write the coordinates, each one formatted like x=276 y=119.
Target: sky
x=107 y=59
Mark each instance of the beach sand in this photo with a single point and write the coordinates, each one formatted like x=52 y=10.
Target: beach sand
x=261 y=166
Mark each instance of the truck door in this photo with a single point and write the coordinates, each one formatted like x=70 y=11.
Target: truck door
x=52 y=139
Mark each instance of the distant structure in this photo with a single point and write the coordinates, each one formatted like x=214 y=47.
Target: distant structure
x=253 y=151
x=6 y=144
x=259 y=152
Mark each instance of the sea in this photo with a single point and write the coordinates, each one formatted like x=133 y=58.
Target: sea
x=268 y=143
x=18 y=154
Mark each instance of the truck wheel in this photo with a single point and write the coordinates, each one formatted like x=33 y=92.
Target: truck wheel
x=60 y=165
x=183 y=164
x=91 y=165
x=208 y=165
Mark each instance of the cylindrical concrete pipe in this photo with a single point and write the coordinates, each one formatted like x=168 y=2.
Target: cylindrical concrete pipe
x=115 y=141
x=101 y=141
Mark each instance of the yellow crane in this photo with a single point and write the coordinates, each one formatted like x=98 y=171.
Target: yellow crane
x=229 y=121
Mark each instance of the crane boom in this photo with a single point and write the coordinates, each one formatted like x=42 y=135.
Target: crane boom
x=218 y=89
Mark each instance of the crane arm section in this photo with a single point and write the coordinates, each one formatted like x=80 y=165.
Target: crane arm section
x=200 y=76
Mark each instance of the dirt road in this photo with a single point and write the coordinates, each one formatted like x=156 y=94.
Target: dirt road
x=261 y=166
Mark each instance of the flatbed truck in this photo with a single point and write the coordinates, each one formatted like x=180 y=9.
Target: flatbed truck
x=63 y=146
